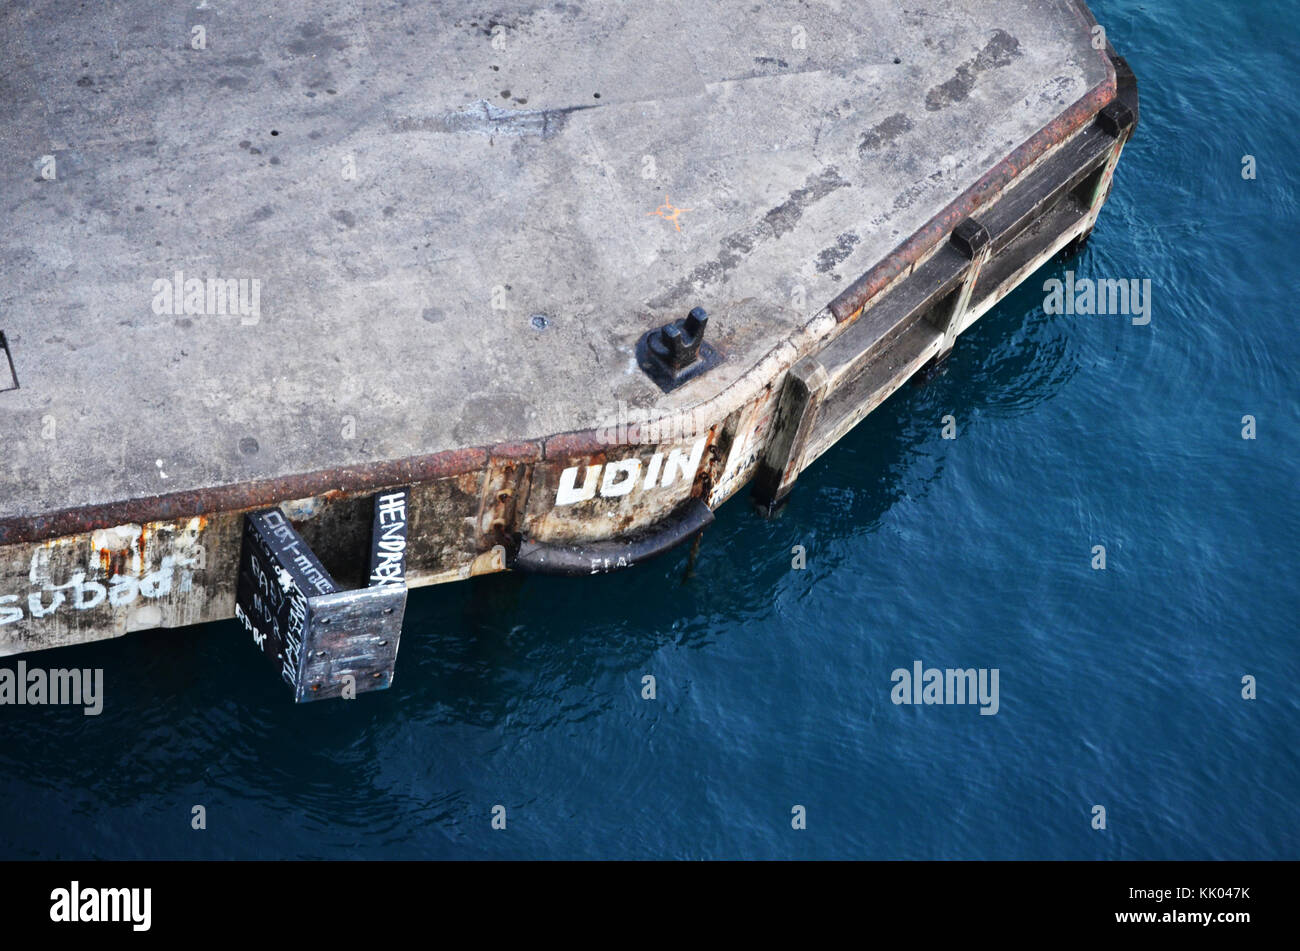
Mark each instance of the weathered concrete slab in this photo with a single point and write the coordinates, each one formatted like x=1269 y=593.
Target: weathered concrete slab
x=409 y=185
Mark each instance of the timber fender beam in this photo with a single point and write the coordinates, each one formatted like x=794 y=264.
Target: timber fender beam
x=913 y=323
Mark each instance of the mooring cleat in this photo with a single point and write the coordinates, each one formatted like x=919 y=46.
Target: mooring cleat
x=679 y=344
x=676 y=352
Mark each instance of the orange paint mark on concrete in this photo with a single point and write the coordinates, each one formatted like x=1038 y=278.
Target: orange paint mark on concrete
x=663 y=212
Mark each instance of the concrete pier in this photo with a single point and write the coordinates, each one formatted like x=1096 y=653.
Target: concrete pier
x=294 y=257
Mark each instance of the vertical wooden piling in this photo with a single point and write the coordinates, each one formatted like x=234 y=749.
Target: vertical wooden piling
x=972 y=239
x=801 y=395
x=1117 y=120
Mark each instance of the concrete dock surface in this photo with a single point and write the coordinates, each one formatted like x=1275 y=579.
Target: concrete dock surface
x=293 y=255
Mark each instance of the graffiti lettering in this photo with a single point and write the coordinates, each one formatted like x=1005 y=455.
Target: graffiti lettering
x=622 y=477
x=80 y=594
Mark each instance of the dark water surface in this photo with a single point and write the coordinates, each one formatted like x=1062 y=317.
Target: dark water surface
x=1119 y=688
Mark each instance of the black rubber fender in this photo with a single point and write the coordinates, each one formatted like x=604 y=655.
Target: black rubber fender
x=598 y=558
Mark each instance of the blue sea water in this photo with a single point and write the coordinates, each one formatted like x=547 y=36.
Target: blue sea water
x=1120 y=688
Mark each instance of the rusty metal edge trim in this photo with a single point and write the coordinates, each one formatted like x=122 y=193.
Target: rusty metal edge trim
x=989 y=187
x=259 y=493
x=371 y=477
x=851 y=302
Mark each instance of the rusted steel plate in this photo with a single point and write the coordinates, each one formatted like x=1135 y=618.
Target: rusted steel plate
x=324 y=641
